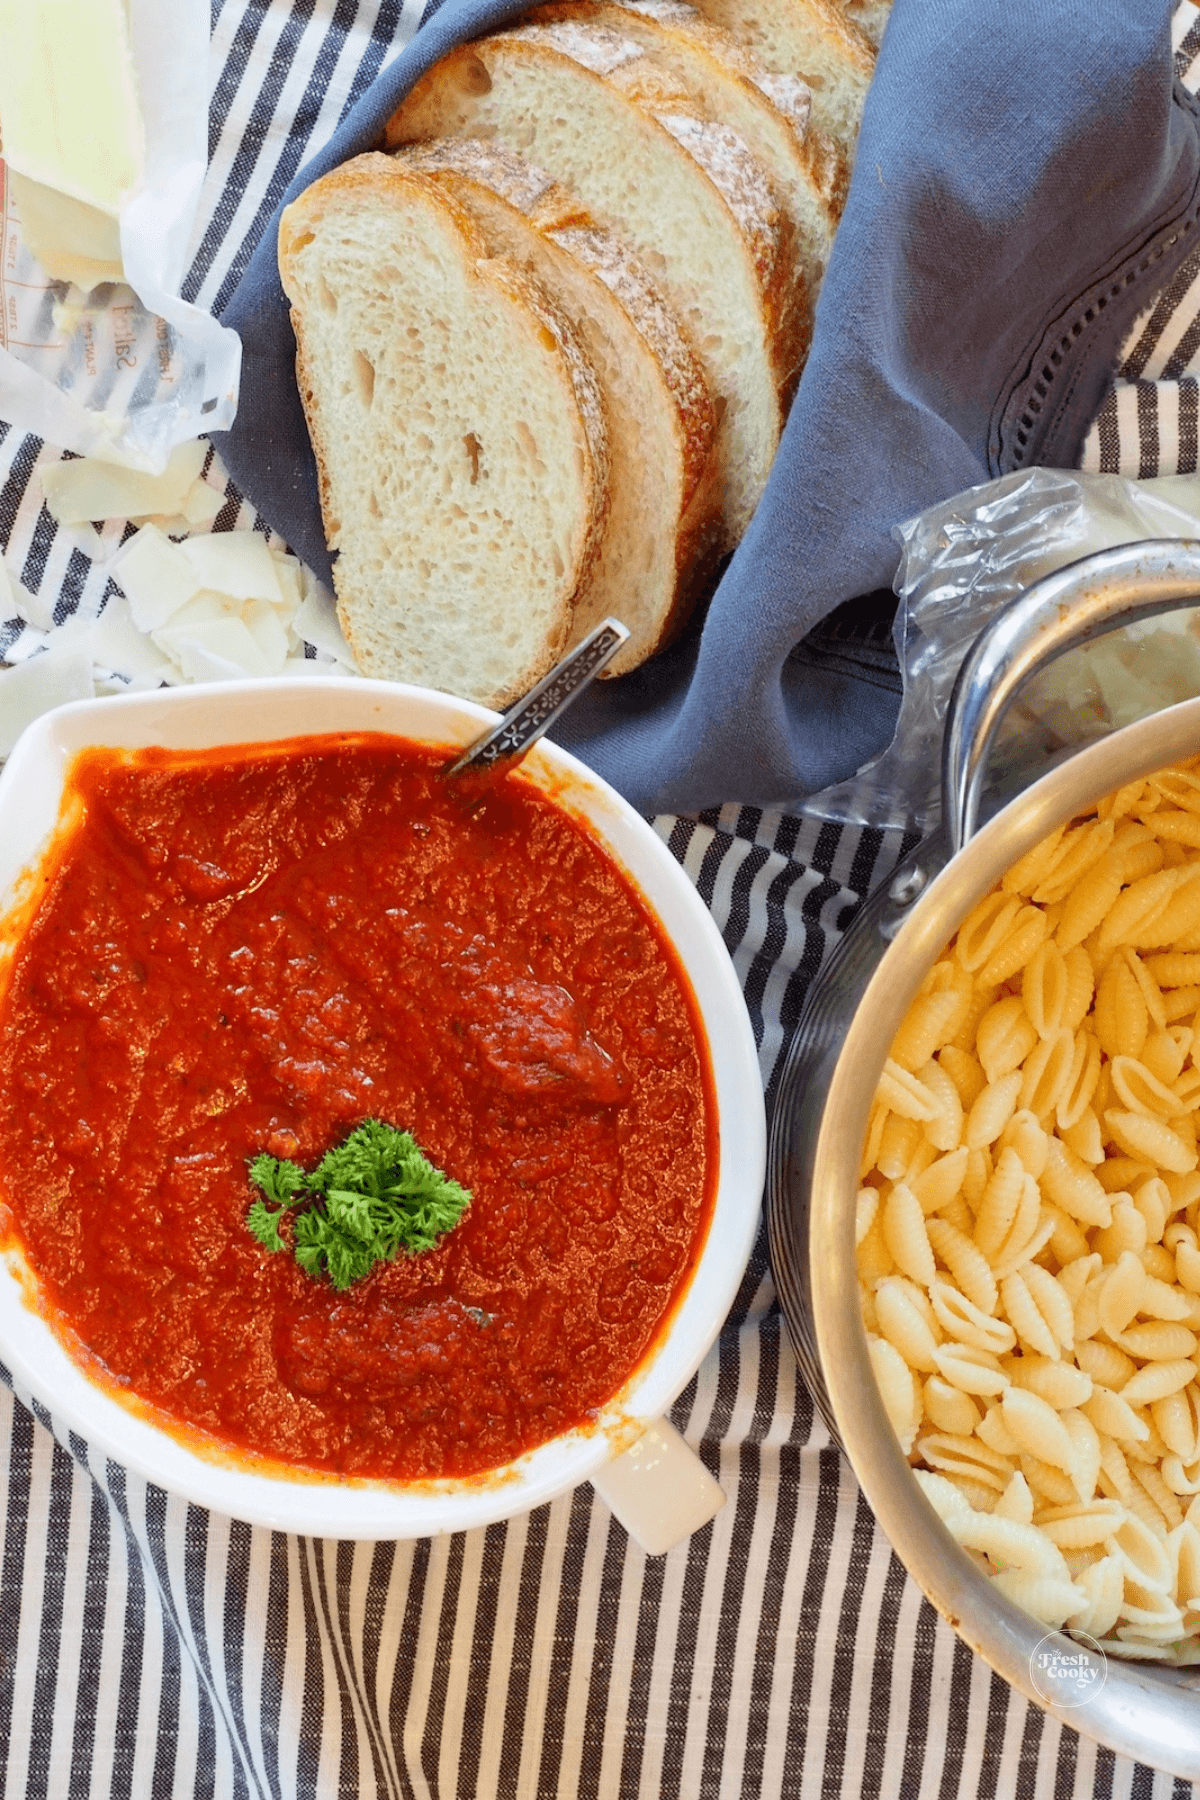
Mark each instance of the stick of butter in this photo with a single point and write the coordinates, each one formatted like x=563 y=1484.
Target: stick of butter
x=72 y=241
x=71 y=128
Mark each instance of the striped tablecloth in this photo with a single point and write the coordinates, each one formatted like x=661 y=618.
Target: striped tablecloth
x=150 y=1649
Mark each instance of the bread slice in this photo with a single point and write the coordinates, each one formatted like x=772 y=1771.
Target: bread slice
x=771 y=113
x=458 y=429
x=812 y=39
x=871 y=17
x=663 y=521
x=583 y=102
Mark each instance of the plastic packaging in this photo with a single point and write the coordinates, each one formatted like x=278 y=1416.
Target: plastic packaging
x=965 y=559
x=130 y=369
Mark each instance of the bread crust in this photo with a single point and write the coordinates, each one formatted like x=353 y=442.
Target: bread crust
x=522 y=212
x=588 y=63
x=810 y=38
x=730 y=88
x=870 y=17
x=773 y=112
x=375 y=180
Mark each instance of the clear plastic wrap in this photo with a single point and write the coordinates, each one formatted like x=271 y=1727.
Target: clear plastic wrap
x=963 y=561
x=129 y=369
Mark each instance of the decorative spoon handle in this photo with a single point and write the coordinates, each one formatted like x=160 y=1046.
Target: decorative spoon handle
x=526 y=720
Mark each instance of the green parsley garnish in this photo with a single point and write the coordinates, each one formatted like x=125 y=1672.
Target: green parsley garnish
x=368 y=1199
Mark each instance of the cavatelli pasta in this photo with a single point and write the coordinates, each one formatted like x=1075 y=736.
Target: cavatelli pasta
x=1076 y=1095
x=985 y=930
x=1081 y=985
x=936 y=1186
x=932 y=1021
x=1078 y=851
x=1088 y=902
x=906 y=1236
x=992 y=1110
x=1036 y=865
x=1024 y=937
x=1046 y=1073
x=1025 y=1134
x=1005 y=1037
x=944 y=1131
x=1028 y=1227
x=999 y=1202
x=1063 y=1384
x=965 y=1261
x=1121 y=1016
x=901 y=1322
x=1044 y=988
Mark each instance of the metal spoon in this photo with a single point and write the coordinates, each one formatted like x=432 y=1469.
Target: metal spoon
x=526 y=720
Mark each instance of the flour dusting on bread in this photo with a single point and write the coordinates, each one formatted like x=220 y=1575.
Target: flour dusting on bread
x=546 y=345
x=459 y=431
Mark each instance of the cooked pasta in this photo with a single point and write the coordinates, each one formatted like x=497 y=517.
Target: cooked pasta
x=1028 y=1227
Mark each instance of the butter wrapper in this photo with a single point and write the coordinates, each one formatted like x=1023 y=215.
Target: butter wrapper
x=104 y=135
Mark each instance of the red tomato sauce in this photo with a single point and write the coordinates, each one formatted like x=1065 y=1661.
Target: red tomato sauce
x=244 y=951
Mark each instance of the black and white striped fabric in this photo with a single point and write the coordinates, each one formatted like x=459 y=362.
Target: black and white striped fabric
x=148 y=1649
x=1149 y=423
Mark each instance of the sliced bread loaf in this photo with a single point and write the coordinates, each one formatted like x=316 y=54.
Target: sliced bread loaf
x=584 y=102
x=771 y=113
x=813 y=39
x=458 y=429
x=663 y=521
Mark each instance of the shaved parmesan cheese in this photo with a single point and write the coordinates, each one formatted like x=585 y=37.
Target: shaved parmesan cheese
x=74 y=631
x=237 y=563
x=156 y=577
x=49 y=679
x=317 y=623
x=201 y=504
x=87 y=488
x=218 y=606
x=269 y=633
x=118 y=645
x=16 y=602
x=287 y=572
x=204 y=608
x=222 y=650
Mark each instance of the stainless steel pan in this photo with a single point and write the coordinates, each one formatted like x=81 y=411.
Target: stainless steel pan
x=853 y=1011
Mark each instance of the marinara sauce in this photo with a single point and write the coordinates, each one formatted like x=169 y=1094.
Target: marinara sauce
x=254 y=950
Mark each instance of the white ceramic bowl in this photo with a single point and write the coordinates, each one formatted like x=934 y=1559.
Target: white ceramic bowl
x=266 y=712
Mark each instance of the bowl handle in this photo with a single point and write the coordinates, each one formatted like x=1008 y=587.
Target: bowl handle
x=1071 y=607
x=659 y=1490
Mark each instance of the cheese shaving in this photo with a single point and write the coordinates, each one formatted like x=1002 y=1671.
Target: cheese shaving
x=221 y=650
x=317 y=623
x=86 y=487
x=157 y=578
x=120 y=648
x=215 y=606
x=57 y=675
x=16 y=602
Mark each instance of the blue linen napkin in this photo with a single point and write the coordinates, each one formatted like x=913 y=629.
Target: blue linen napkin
x=1027 y=177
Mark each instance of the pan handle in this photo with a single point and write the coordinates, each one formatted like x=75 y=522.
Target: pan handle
x=1071 y=607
